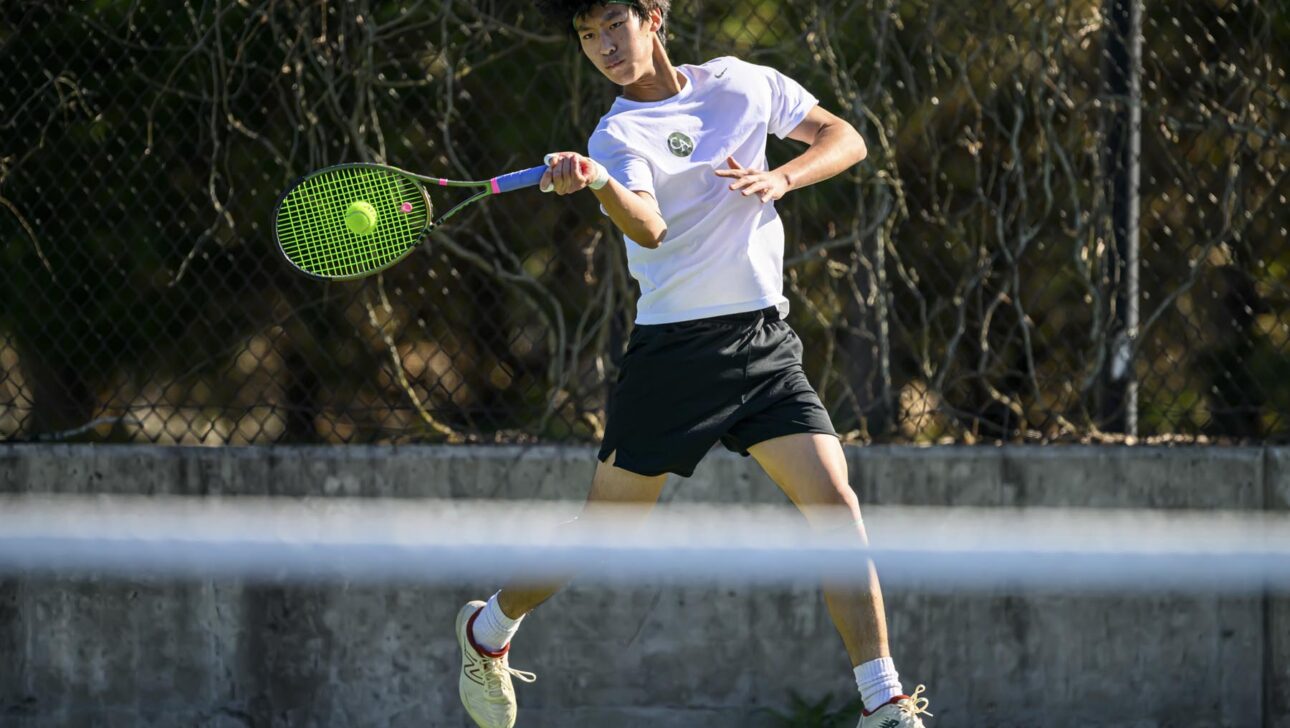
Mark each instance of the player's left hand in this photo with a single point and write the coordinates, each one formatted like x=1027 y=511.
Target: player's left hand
x=769 y=186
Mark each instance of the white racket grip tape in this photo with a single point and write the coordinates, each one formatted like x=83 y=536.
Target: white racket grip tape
x=600 y=180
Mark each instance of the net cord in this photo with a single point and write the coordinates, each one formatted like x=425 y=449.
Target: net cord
x=456 y=541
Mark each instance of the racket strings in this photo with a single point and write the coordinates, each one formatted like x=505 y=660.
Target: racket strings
x=312 y=230
x=360 y=254
x=369 y=251
x=314 y=205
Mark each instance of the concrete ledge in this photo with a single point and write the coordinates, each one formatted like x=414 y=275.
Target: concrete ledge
x=93 y=653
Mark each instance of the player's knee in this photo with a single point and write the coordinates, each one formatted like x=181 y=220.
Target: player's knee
x=848 y=496
x=839 y=493
x=831 y=493
x=829 y=504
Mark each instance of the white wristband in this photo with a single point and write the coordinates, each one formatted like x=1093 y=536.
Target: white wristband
x=602 y=176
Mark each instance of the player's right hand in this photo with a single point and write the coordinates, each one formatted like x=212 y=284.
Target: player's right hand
x=569 y=172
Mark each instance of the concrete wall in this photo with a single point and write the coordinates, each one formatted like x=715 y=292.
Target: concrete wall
x=90 y=653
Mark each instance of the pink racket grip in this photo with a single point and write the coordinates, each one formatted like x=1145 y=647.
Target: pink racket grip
x=518 y=180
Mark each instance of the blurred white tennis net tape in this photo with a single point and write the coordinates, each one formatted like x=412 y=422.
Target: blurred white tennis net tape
x=461 y=541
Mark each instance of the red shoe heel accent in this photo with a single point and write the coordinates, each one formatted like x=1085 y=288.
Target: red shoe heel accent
x=470 y=637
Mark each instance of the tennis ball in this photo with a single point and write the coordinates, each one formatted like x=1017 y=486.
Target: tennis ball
x=360 y=218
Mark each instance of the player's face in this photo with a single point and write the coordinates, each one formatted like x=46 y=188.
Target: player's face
x=618 y=42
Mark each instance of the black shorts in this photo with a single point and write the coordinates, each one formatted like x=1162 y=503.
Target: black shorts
x=683 y=387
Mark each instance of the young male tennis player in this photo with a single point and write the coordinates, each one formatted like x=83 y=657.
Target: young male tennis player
x=679 y=165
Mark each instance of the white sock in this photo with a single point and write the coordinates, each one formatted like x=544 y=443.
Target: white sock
x=493 y=630
x=878 y=683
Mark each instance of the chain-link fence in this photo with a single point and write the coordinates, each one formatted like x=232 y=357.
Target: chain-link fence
x=992 y=271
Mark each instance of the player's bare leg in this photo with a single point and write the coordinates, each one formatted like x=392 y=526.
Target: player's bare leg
x=484 y=628
x=611 y=486
x=812 y=470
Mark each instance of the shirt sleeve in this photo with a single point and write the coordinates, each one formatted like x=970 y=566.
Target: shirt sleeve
x=631 y=170
x=789 y=102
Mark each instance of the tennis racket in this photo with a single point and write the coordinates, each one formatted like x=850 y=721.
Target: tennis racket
x=355 y=220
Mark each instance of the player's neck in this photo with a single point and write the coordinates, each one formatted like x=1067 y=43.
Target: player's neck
x=663 y=81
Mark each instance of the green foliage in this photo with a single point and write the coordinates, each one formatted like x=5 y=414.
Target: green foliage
x=958 y=284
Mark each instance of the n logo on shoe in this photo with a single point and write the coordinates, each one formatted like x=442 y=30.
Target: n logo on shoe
x=475 y=672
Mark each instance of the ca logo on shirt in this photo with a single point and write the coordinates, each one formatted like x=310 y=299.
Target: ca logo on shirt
x=680 y=144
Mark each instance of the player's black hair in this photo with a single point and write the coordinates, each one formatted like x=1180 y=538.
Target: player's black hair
x=562 y=13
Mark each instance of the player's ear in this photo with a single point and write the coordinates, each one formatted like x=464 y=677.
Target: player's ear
x=655 y=20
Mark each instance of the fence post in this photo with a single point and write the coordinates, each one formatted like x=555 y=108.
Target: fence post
x=1118 y=400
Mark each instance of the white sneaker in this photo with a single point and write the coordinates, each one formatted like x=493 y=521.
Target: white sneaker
x=901 y=712
x=485 y=684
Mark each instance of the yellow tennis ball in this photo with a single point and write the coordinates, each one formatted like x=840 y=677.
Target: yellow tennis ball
x=360 y=218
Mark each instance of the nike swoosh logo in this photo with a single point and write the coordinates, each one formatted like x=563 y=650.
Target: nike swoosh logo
x=723 y=72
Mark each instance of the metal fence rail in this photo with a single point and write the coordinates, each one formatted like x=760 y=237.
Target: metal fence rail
x=988 y=273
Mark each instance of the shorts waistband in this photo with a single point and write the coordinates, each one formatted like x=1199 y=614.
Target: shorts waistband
x=766 y=315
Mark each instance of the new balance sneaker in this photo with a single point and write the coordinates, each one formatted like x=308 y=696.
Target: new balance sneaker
x=901 y=712
x=485 y=685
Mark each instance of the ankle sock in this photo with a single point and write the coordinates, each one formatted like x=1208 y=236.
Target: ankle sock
x=878 y=683
x=492 y=629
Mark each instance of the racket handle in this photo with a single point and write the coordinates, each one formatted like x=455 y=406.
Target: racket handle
x=518 y=180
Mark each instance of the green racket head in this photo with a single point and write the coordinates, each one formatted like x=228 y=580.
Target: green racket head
x=351 y=220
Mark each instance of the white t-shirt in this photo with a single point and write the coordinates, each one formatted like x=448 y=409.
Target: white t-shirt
x=723 y=252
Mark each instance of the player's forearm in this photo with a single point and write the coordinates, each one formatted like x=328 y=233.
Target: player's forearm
x=635 y=215
x=837 y=147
